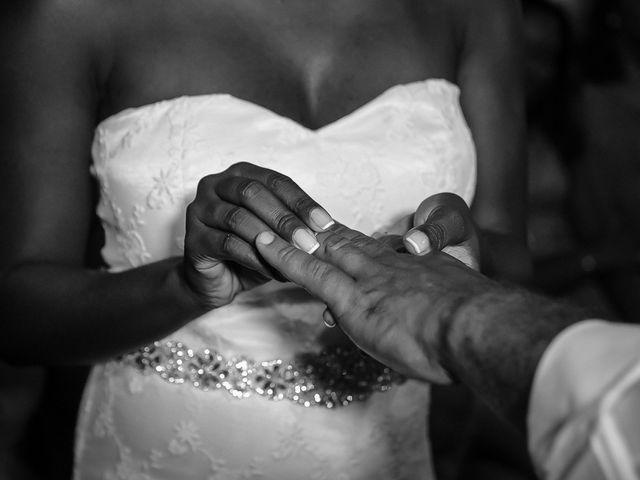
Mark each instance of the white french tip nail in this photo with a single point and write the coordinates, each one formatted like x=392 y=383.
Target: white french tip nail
x=321 y=218
x=328 y=319
x=416 y=249
x=418 y=241
x=328 y=224
x=305 y=240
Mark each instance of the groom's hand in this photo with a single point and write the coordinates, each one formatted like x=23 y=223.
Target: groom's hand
x=396 y=307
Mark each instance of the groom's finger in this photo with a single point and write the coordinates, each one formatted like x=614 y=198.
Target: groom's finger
x=355 y=255
x=371 y=246
x=321 y=279
x=441 y=220
x=393 y=241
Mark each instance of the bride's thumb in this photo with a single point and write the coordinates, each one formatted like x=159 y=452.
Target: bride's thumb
x=441 y=220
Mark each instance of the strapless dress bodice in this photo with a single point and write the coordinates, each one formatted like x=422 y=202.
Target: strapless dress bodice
x=368 y=169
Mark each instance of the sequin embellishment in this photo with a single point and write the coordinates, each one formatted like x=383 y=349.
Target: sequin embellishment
x=332 y=378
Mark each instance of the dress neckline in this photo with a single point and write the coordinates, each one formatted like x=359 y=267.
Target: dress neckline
x=142 y=108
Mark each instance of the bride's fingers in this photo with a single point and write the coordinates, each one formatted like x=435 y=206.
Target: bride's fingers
x=323 y=280
x=447 y=200
x=370 y=246
x=221 y=215
x=289 y=193
x=256 y=197
x=441 y=220
x=203 y=242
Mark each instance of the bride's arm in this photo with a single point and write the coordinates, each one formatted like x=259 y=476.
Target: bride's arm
x=490 y=78
x=53 y=309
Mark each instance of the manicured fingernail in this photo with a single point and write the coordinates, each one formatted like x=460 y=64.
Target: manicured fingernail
x=265 y=238
x=321 y=218
x=328 y=319
x=305 y=240
x=417 y=242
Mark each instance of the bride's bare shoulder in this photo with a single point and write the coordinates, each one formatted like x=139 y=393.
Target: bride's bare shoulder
x=487 y=25
x=52 y=26
x=473 y=21
x=479 y=16
x=58 y=16
x=41 y=37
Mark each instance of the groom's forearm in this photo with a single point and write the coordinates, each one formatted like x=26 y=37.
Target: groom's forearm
x=495 y=340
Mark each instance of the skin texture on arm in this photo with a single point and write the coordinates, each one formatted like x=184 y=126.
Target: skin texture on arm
x=54 y=310
x=494 y=342
x=492 y=99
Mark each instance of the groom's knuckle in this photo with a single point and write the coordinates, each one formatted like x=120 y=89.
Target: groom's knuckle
x=319 y=272
x=361 y=240
x=287 y=254
x=290 y=256
x=375 y=308
x=335 y=244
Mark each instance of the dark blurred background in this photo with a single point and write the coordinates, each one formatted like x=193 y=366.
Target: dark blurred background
x=583 y=97
x=582 y=75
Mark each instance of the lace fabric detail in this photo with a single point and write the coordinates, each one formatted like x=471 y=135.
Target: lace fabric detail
x=335 y=377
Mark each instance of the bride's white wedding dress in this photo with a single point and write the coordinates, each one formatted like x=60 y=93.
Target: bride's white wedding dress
x=260 y=388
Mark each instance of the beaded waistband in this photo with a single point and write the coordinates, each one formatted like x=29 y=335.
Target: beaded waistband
x=332 y=378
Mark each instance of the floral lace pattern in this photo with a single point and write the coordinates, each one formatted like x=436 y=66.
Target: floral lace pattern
x=368 y=169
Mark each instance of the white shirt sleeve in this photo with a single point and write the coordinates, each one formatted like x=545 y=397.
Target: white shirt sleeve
x=584 y=410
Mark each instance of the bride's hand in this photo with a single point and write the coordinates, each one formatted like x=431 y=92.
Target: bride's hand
x=428 y=233
x=422 y=232
x=230 y=209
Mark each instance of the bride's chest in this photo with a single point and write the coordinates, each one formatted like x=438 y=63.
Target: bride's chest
x=309 y=61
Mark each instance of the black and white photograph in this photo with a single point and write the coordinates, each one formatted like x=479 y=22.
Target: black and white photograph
x=320 y=240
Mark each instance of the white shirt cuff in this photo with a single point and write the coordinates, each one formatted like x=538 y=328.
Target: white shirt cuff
x=584 y=364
